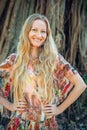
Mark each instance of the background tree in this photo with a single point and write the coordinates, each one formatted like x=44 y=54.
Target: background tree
x=68 y=23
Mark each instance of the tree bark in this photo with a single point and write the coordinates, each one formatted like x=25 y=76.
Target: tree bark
x=68 y=20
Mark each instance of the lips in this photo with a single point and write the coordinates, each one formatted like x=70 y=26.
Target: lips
x=37 y=39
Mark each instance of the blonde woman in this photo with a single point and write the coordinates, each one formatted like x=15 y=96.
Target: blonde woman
x=37 y=79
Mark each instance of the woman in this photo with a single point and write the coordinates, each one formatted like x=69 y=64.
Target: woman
x=37 y=79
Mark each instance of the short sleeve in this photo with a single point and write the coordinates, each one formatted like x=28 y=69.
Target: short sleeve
x=63 y=65
x=5 y=80
x=6 y=83
x=62 y=70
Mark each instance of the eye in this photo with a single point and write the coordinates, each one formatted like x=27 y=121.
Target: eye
x=43 y=31
x=34 y=29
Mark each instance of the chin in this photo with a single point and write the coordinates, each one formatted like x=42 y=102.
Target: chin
x=37 y=45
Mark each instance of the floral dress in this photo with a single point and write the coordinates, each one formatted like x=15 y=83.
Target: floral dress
x=30 y=119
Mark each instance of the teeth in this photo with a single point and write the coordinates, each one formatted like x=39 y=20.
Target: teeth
x=37 y=40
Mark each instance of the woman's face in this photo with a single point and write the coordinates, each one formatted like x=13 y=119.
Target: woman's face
x=38 y=33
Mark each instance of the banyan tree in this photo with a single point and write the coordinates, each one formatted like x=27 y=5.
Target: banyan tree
x=68 y=20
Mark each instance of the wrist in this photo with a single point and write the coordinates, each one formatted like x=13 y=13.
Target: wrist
x=59 y=110
x=12 y=107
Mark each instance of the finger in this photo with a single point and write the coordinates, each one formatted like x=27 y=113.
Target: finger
x=48 y=105
x=48 y=110
x=49 y=114
x=18 y=105
x=21 y=106
x=21 y=109
x=18 y=108
x=21 y=103
x=21 y=100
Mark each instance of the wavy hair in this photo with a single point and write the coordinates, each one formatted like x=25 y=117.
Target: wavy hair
x=47 y=58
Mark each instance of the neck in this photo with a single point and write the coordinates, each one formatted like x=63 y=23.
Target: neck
x=34 y=52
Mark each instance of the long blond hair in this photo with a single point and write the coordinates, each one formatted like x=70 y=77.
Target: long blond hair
x=47 y=57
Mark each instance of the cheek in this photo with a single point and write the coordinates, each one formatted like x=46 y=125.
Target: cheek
x=29 y=35
x=45 y=37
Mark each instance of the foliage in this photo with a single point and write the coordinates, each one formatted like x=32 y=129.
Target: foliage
x=84 y=76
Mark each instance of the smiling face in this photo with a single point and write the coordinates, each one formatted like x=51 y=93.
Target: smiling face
x=38 y=33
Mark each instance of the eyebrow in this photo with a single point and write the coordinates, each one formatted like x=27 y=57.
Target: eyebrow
x=36 y=28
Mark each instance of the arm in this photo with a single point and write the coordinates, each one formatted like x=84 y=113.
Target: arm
x=79 y=87
x=5 y=85
x=8 y=105
x=5 y=69
x=20 y=106
x=74 y=78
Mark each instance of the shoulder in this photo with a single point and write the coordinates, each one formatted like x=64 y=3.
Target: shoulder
x=62 y=65
x=11 y=58
x=8 y=62
x=60 y=59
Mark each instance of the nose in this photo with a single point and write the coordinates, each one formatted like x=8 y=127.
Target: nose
x=39 y=35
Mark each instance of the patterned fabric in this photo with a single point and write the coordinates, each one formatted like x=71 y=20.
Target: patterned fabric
x=17 y=123
x=61 y=70
x=28 y=120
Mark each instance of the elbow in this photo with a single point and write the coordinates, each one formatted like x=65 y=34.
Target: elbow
x=81 y=87
x=84 y=87
x=80 y=84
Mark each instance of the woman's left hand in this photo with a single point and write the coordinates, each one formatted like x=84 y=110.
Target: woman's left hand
x=50 y=110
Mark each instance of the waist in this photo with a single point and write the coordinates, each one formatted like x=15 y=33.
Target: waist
x=31 y=116
x=50 y=124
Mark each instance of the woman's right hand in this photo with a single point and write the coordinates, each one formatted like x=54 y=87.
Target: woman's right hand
x=19 y=106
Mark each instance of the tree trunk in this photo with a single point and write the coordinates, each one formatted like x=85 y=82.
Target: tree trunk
x=67 y=19
x=68 y=23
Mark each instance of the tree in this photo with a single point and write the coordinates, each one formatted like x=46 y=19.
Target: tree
x=67 y=19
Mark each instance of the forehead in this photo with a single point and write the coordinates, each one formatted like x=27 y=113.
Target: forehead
x=39 y=24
